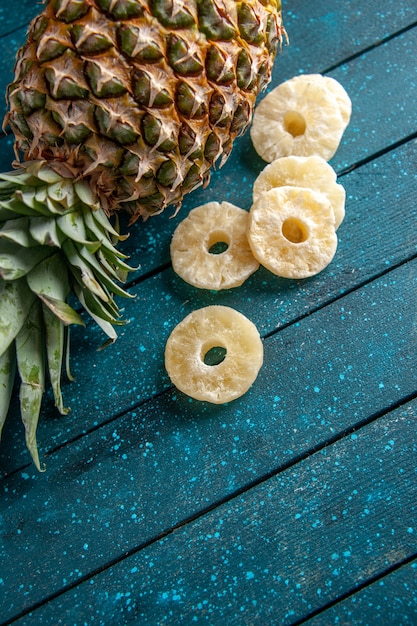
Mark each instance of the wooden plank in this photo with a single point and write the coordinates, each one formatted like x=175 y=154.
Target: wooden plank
x=392 y=599
x=372 y=239
x=133 y=479
x=11 y=20
x=323 y=35
x=277 y=552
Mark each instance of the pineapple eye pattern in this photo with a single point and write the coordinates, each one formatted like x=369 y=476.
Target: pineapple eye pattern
x=201 y=60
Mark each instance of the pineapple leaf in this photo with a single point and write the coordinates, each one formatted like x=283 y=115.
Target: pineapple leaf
x=50 y=281
x=85 y=194
x=14 y=207
x=7 y=375
x=99 y=233
x=6 y=213
x=62 y=311
x=54 y=207
x=115 y=260
x=40 y=195
x=110 y=269
x=108 y=311
x=107 y=327
x=27 y=198
x=44 y=231
x=41 y=171
x=102 y=220
x=62 y=192
x=50 y=277
x=67 y=356
x=55 y=352
x=87 y=276
x=16 y=300
x=102 y=275
x=30 y=363
x=18 y=178
x=16 y=261
x=72 y=225
x=17 y=231
x=54 y=238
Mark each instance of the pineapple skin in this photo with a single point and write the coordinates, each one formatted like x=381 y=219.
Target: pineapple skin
x=141 y=98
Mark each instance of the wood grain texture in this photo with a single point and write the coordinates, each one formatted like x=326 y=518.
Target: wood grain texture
x=324 y=34
x=295 y=502
x=172 y=458
x=368 y=245
x=390 y=600
x=14 y=17
x=277 y=552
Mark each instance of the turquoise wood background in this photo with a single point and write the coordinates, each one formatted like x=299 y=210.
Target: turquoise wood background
x=295 y=504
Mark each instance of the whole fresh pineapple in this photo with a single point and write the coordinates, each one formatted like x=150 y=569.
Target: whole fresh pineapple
x=116 y=104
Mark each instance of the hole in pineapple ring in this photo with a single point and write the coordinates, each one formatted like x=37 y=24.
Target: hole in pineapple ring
x=218 y=242
x=214 y=356
x=294 y=230
x=294 y=123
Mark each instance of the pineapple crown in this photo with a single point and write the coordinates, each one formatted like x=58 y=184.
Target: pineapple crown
x=54 y=240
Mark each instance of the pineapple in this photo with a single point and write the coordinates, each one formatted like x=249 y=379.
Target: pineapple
x=141 y=98
x=116 y=104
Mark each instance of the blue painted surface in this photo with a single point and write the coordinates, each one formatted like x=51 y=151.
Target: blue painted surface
x=296 y=503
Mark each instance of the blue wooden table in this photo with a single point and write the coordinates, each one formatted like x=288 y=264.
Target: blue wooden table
x=296 y=504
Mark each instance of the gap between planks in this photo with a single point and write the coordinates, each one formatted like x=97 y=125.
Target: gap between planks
x=389 y=569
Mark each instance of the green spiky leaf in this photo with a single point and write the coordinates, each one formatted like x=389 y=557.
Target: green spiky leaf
x=55 y=354
x=87 y=276
x=45 y=232
x=16 y=300
x=16 y=262
x=54 y=240
x=7 y=375
x=97 y=315
x=17 y=231
x=31 y=366
x=85 y=194
x=50 y=281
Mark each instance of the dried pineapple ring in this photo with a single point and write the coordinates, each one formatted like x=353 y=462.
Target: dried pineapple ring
x=291 y=231
x=195 y=239
x=341 y=95
x=299 y=117
x=312 y=172
x=199 y=333
x=335 y=88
